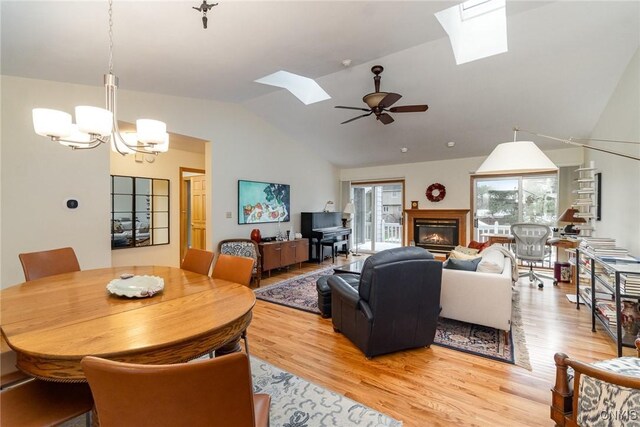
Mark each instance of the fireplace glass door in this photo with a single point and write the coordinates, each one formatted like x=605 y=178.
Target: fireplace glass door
x=377 y=224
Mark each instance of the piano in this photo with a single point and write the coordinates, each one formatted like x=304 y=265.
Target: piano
x=323 y=227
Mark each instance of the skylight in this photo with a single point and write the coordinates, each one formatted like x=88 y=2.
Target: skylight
x=476 y=28
x=304 y=88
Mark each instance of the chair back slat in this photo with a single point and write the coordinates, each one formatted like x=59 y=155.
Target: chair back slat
x=48 y=263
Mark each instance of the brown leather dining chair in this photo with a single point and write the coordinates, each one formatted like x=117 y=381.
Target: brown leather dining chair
x=233 y=268
x=213 y=393
x=236 y=269
x=48 y=263
x=197 y=260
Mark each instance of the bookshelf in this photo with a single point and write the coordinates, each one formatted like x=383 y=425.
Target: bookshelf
x=610 y=287
x=585 y=197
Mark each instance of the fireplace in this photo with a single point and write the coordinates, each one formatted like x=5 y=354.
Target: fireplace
x=436 y=234
x=437 y=230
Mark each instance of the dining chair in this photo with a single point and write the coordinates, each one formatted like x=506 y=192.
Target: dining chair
x=213 y=393
x=38 y=403
x=236 y=269
x=246 y=248
x=233 y=268
x=48 y=263
x=197 y=260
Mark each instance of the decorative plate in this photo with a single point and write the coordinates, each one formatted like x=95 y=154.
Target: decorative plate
x=136 y=286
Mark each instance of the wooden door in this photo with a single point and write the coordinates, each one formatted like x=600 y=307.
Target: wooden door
x=198 y=212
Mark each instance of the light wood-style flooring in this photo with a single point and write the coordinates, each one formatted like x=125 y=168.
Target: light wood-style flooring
x=435 y=386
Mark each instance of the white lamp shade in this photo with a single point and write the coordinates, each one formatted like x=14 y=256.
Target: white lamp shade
x=119 y=146
x=151 y=131
x=51 y=123
x=164 y=146
x=349 y=208
x=76 y=138
x=516 y=157
x=94 y=120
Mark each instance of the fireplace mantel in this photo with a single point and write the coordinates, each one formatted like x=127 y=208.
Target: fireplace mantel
x=459 y=214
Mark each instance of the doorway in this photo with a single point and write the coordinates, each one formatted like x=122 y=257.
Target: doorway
x=378 y=221
x=193 y=204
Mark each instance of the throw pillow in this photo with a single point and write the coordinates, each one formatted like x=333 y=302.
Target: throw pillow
x=465 y=250
x=492 y=262
x=461 y=255
x=462 y=264
x=479 y=246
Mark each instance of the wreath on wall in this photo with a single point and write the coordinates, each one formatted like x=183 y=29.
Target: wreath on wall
x=436 y=192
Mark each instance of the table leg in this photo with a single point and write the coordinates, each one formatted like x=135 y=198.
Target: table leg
x=232 y=346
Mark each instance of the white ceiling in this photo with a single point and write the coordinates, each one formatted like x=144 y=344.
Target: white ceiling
x=564 y=61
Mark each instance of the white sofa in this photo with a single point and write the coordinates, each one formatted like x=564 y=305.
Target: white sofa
x=477 y=297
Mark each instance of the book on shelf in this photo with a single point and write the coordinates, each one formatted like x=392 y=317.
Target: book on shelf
x=600 y=294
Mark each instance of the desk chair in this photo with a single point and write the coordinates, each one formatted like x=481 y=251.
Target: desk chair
x=197 y=260
x=209 y=393
x=48 y=263
x=531 y=246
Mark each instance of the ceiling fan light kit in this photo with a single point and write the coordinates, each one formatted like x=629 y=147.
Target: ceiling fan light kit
x=380 y=103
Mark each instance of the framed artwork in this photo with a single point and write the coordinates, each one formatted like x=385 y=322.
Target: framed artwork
x=262 y=202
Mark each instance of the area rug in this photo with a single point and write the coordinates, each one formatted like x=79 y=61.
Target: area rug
x=300 y=292
x=296 y=402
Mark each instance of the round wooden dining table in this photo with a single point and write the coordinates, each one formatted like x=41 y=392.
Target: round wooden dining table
x=53 y=322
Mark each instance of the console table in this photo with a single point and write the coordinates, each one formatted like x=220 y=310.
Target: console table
x=283 y=253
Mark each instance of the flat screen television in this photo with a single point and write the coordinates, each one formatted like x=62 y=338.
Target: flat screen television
x=262 y=202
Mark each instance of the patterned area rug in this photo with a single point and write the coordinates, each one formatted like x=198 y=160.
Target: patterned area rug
x=296 y=402
x=300 y=292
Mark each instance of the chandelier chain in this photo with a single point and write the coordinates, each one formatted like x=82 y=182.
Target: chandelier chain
x=110 y=36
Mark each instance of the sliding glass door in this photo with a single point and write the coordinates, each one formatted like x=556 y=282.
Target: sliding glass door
x=377 y=224
x=502 y=201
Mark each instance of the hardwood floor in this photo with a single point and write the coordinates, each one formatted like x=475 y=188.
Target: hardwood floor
x=435 y=386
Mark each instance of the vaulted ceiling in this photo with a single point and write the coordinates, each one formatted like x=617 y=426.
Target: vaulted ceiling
x=564 y=61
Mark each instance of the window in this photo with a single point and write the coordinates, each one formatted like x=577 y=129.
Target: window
x=502 y=201
x=139 y=212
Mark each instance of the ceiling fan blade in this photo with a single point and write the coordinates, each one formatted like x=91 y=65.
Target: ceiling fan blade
x=358 y=117
x=389 y=100
x=352 y=108
x=409 y=109
x=385 y=118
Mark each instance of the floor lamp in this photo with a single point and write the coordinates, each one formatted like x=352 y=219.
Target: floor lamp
x=350 y=209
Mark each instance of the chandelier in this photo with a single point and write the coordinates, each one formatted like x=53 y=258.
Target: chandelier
x=95 y=126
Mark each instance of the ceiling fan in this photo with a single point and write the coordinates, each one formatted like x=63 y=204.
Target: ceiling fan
x=379 y=102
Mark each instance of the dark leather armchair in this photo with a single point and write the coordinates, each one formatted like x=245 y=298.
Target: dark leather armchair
x=396 y=305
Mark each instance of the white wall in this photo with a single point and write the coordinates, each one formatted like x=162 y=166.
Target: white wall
x=620 y=176
x=37 y=175
x=164 y=167
x=453 y=174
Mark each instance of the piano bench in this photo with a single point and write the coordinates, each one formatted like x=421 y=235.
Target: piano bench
x=334 y=245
